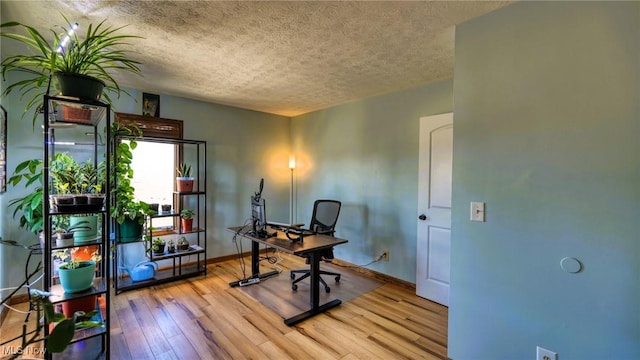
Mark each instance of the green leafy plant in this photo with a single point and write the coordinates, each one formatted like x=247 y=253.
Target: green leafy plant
x=122 y=174
x=70 y=177
x=186 y=213
x=97 y=54
x=29 y=172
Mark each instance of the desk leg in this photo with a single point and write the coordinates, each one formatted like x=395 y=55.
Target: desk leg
x=314 y=276
x=255 y=265
x=314 y=293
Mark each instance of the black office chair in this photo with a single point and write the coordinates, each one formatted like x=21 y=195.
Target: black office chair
x=323 y=221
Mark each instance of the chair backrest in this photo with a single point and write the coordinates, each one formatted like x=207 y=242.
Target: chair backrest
x=325 y=216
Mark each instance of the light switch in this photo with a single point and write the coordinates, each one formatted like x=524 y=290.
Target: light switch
x=477 y=211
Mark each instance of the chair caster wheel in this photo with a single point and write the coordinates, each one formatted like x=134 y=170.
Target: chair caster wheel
x=294 y=287
x=338 y=278
x=327 y=289
x=293 y=276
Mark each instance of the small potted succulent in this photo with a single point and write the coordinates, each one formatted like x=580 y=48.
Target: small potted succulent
x=183 y=244
x=184 y=181
x=171 y=247
x=187 y=220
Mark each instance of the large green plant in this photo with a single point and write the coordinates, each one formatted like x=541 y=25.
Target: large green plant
x=97 y=54
x=67 y=177
x=29 y=172
x=126 y=206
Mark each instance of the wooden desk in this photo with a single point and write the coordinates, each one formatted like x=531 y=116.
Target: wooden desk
x=312 y=246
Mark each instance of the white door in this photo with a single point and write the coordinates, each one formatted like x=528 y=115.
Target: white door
x=434 y=207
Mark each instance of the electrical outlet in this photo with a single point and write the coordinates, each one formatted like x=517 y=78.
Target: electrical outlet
x=544 y=354
x=385 y=255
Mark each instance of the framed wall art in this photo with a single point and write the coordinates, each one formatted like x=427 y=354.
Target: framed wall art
x=150 y=105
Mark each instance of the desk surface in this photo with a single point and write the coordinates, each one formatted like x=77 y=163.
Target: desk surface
x=281 y=242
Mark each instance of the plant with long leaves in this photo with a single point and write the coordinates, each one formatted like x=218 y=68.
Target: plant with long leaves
x=98 y=54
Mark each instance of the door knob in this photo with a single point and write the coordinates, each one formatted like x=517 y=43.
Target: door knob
x=423 y=217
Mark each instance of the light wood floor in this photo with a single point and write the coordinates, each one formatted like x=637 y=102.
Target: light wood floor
x=203 y=318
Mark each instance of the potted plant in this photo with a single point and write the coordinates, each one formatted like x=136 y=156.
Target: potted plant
x=187 y=220
x=184 y=181
x=63 y=327
x=76 y=270
x=130 y=214
x=65 y=235
x=75 y=275
x=92 y=180
x=157 y=246
x=80 y=66
x=171 y=247
x=183 y=244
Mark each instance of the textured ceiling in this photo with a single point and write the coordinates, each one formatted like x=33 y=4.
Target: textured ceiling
x=284 y=58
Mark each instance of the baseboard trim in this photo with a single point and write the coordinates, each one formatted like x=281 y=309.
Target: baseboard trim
x=364 y=271
x=376 y=275
x=16 y=299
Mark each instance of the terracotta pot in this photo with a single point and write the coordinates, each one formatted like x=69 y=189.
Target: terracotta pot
x=187 y=225
x=84 y=253
x=184 y=184
x=86 y=304
x=75 y=114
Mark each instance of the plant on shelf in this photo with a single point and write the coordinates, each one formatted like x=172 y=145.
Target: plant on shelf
x=30 y=205
x=187 y=220
x=75 y=275
x=81 y=183
x=65 y=234
x=157 y=246
x=183 y=244
x=171 y=247
x=82 y=180
x=68 y=59
x=184 y=170
x=129 y=213
x=184 y=181
x=62 y=331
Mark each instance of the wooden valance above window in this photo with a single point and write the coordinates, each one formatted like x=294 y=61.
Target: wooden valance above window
x=153 y=126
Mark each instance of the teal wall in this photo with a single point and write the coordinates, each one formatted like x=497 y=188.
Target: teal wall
x=365 y=154
x=242 y=147
x=546 y=132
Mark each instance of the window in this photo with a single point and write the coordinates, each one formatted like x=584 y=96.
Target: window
x=155 y=161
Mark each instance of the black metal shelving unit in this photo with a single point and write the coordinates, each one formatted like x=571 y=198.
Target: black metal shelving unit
x=90 y=342
x=180 y=264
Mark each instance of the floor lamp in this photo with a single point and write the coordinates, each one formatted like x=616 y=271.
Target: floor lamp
x=292 y=166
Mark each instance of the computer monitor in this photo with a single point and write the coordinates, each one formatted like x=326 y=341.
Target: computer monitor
x=258 y=216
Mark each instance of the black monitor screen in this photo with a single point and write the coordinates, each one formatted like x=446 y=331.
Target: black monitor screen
x=258 y=216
